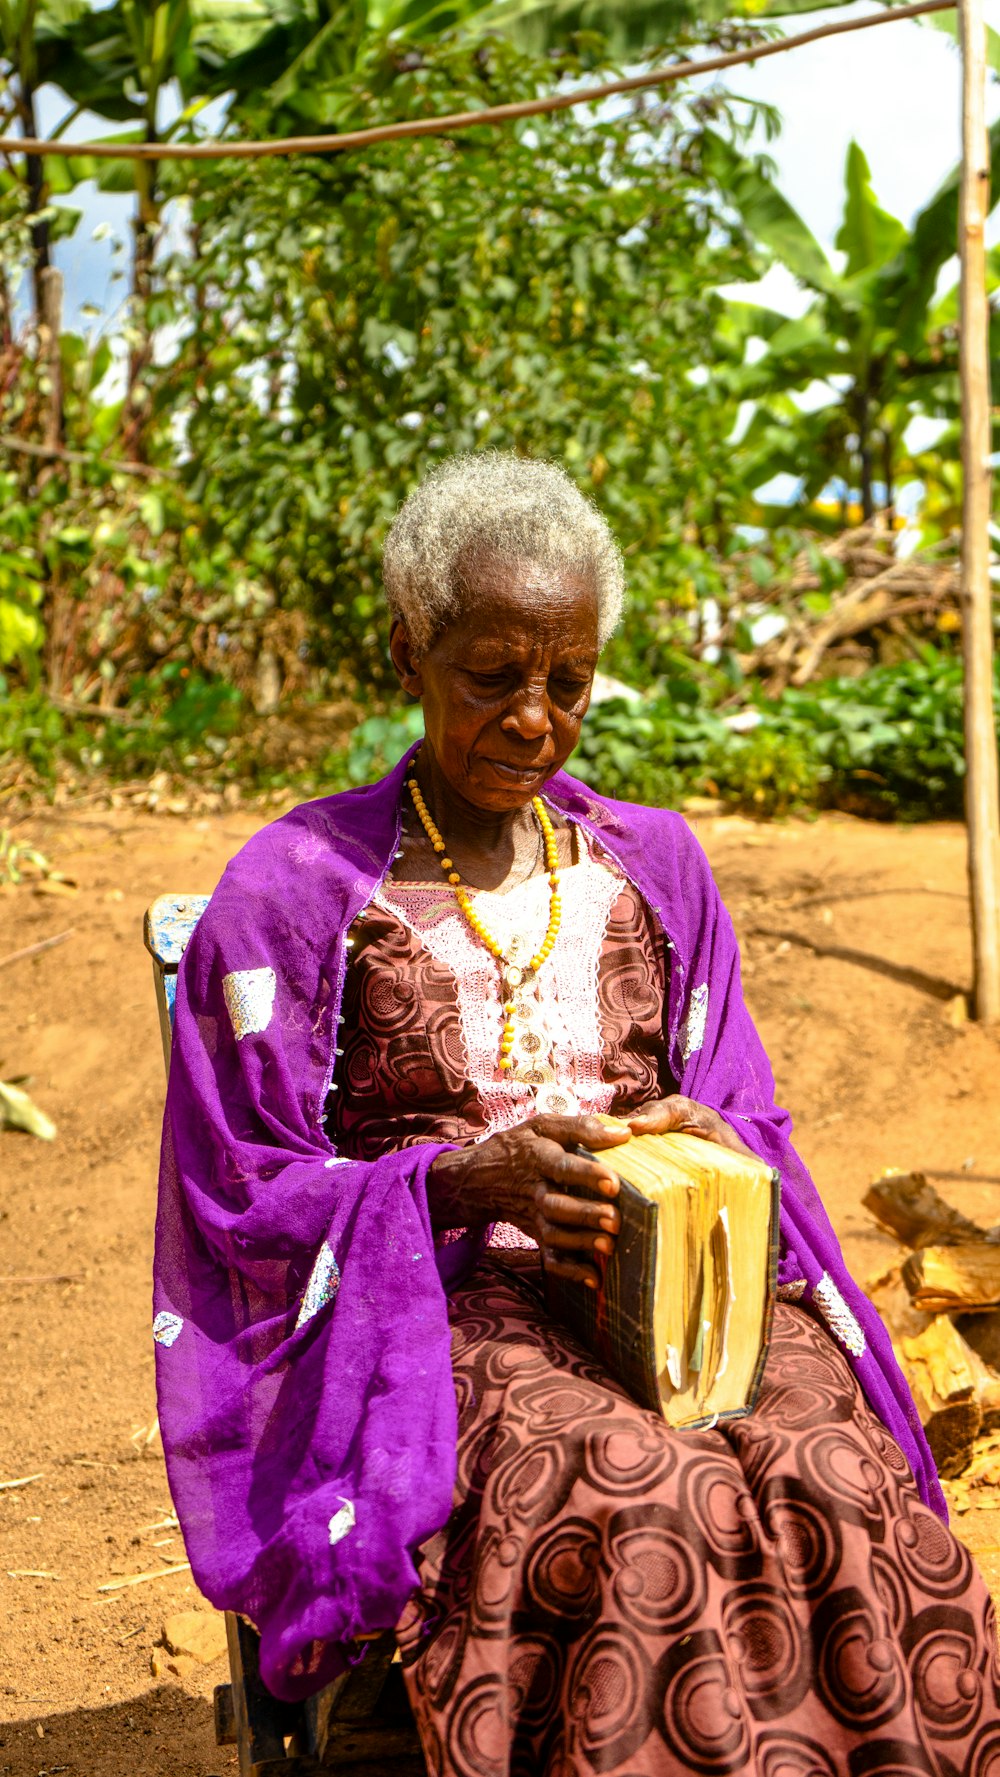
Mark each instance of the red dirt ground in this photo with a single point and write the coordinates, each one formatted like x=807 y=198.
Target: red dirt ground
x=856 y=944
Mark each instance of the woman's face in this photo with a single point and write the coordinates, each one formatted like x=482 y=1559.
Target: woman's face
x=506 y=686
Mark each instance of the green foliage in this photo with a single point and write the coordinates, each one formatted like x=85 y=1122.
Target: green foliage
x=888 y=743
x=875 y=333
x=546 y=289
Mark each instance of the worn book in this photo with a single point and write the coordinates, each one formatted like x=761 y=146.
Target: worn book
x=683 y=1315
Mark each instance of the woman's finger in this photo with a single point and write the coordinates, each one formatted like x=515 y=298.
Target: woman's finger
x=674 y=1113
x=561 y=1168
x=578 y=1212
x=687 y=1115
x=578 y=1240
x=584 y=1132
x=573 y=1269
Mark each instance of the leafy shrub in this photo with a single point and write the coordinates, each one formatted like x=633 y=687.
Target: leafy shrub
x=767 y=771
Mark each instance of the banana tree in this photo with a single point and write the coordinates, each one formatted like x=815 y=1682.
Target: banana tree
x=875 y=333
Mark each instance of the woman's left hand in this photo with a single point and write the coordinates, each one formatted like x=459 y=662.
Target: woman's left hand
x=687 y=1115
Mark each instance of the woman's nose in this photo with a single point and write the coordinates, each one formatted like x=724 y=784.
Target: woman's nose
x=528 y=713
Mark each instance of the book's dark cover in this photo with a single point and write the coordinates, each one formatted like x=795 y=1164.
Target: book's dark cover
x=615 y=1322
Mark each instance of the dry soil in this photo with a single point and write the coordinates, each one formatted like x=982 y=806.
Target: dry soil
x=856 y=953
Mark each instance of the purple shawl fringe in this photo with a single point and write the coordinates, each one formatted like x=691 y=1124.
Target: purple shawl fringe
x=303 y=1370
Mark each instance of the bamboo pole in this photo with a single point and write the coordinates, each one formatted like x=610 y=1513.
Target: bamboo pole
x=982 y=806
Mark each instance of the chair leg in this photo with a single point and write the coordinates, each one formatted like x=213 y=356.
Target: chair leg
x=258 y=1723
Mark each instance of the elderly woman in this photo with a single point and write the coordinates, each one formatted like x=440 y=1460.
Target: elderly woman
x=395 y=1024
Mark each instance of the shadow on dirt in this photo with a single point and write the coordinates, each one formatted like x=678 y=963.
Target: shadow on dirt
x=164 y=1732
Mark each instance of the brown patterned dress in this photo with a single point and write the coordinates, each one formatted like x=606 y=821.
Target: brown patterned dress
x=610 y=1596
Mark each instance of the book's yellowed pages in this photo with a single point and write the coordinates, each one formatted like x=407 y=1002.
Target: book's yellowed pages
x=711 y=1298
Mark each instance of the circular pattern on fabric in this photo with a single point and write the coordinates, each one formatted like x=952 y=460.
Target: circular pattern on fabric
x=859 y=1672
x=629 y=1457
x=703 y=1717
x=929 y=1556
x=561 y=1579
x=658 y=1580
x=722 y=1515
x=535 y=1484
x=441 y=1660
x=551 y=1404
x=758 y=1446
x=534 y=1677
x=807 y=1536
x=802 y=1402
x=886 y=1448
x=612 y=1696
x=478 y=1729
x=839 y=1467
x=890 y=1590
x=485 y=1450
x=984 y=1758
x=497 y=1582
x=764 y=1642
x=781 y=1754
x=898 y=1758
x=944 y=1653
x=509 y=1360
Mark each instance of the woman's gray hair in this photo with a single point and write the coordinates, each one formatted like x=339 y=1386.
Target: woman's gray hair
x=504 y=507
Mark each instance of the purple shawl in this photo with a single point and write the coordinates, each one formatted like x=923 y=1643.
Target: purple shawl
x=303 y=1372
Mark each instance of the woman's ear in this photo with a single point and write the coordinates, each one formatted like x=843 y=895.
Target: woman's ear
x=404 y=660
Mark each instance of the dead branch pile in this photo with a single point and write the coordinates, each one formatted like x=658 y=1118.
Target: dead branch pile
x=883 y=607
x=941 y=1305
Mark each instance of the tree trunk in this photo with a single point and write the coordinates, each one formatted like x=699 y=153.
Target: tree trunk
x=888 y=473
x=859 y=408
x=982 y=795
x=50 y=356
x=146 y=234
x=35 y=182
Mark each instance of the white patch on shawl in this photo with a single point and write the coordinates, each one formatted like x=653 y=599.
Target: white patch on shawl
x=839 y=1318
x=167 y=1327
x=324 y=1282
x=692 y=1032
x=249 y=995
x=342 y=1522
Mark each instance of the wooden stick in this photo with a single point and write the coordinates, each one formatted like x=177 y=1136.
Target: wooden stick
x=982 y=792
x=71 y=706
x=29 y=449
x=461 y=120
x=22 y=1482
x=137 y=1579
x=31 y=1573
x=19 y=956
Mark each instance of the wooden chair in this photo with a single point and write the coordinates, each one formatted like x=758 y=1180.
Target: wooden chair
x=361 y=1724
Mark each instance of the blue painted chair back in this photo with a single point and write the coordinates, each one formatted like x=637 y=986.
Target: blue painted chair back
x=166 y=929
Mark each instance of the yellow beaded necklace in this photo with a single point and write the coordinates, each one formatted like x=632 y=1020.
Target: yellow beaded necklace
x=513 y=976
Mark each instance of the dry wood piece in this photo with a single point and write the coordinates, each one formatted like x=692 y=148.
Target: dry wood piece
x=943 y=1278
x=982 y=1332
x=23 y=1481
x=944 y=1383
x=912 y=1210
x=890 y=1298
x=137 y=1579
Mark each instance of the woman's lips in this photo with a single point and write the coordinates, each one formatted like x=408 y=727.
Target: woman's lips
x=519 y=774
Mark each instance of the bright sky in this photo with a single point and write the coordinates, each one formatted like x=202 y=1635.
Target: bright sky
x=895 y=89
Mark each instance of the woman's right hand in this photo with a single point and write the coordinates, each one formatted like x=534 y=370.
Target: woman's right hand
x=525 y=1176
